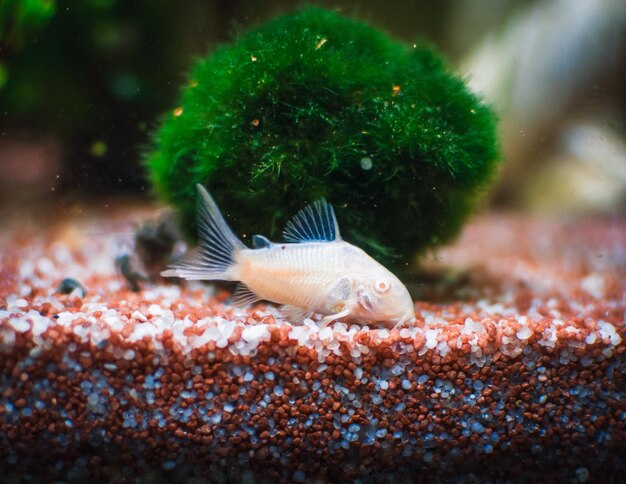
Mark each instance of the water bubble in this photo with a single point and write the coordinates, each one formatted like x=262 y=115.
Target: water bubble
x=366 y=163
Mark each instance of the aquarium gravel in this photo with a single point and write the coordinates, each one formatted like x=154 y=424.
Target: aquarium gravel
x=515 y=369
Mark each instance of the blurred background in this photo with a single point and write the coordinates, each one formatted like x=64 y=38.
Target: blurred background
x=84 y=82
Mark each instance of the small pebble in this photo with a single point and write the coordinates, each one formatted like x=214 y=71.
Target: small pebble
x=70 y=285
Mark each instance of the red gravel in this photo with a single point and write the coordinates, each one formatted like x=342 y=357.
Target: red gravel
x=515 y=369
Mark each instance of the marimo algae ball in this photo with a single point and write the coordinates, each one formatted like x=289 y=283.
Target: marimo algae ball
x=313 y=104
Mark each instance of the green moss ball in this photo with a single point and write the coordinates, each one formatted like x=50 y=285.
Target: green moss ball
x=313 y=104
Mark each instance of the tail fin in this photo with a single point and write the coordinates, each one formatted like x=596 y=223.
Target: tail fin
x=214 y=257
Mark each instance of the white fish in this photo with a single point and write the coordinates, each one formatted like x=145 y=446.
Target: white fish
x=315 y=271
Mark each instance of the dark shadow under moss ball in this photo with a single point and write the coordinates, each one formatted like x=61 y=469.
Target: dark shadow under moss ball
x=313 y=104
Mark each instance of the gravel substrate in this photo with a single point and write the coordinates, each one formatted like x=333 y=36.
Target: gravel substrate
x=516 y=368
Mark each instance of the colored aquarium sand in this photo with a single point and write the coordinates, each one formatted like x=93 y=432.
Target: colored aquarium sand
x=515 y=370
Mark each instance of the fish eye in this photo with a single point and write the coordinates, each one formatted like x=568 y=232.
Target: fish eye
x=381 y=287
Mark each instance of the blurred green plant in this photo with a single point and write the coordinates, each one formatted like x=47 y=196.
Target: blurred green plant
x=92 y=74
x=20 y=20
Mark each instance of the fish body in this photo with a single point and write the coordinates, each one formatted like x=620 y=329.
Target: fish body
x=315 y=271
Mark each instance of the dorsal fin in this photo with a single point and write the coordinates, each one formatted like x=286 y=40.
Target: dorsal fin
x=260 y=242
x=314 y=223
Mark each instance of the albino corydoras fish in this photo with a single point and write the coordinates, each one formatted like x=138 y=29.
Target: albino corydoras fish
x=313 y=272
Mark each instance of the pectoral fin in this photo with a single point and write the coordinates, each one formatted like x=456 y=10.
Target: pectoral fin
x=333 y=317
x=338 y=300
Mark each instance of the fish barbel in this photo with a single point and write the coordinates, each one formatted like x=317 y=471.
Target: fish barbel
x=314 y=271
